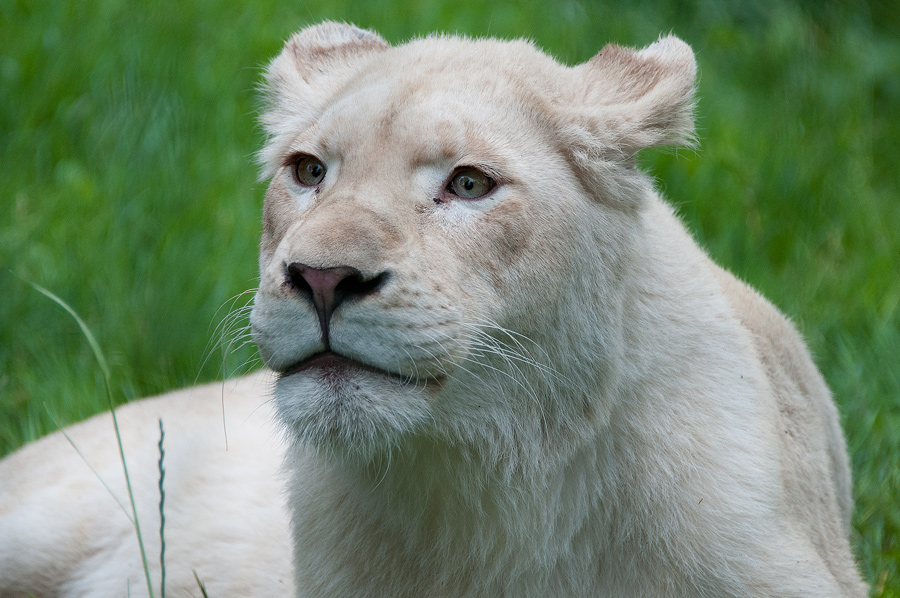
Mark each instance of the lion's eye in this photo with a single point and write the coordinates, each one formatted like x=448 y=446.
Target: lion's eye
x=470 y=183
x=309 y=171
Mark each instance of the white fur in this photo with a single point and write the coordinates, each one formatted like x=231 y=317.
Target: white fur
x=582 y=403
x=62 y=533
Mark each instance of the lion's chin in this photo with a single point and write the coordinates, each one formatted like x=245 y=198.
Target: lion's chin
x=352 y=408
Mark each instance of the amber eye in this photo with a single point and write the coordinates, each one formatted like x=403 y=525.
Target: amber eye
x=470 y=183
x=309 y=170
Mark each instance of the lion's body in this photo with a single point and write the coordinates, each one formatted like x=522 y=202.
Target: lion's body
x=62 y=533
x=544 y=389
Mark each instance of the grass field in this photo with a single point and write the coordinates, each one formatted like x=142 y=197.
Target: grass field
x=127 y=187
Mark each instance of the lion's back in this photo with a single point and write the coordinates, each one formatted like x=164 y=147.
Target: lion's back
x=815 y=470
x=62 y=534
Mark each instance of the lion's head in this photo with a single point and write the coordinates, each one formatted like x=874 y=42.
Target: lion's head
x=450 y=230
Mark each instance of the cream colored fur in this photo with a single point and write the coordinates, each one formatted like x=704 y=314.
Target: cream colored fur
x=580 y=403
x=62 y=533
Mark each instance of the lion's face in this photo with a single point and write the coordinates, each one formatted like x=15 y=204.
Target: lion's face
x=428 y=235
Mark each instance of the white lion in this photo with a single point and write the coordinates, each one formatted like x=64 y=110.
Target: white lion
x=502 y=367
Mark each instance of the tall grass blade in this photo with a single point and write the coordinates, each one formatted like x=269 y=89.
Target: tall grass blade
x=101 y=360
x=200 y=584
x=91 y=467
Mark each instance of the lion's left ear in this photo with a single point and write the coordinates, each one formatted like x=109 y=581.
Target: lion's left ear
x=641 y=98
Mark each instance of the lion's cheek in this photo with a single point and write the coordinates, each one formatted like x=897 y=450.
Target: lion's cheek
x=280 y=209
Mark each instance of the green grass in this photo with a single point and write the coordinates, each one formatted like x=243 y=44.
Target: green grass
x=127 y=187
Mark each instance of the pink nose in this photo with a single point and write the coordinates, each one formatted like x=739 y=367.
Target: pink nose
x=327 y=288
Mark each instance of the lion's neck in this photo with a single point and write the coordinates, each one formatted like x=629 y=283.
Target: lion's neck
x=437 y=511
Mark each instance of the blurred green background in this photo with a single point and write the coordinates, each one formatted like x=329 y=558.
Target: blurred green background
x=128 y=187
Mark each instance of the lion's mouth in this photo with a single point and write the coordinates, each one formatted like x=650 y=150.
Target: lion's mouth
x=335 y=364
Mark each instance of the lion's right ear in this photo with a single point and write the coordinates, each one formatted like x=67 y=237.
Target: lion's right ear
x=314 y=62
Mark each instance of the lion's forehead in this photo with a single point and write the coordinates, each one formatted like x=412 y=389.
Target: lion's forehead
x=439 y=110
x=388 y=116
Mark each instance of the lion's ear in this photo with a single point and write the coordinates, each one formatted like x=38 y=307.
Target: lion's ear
x=315 y=59
x=314 y=63
x=642 y=98
x=323 y=50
